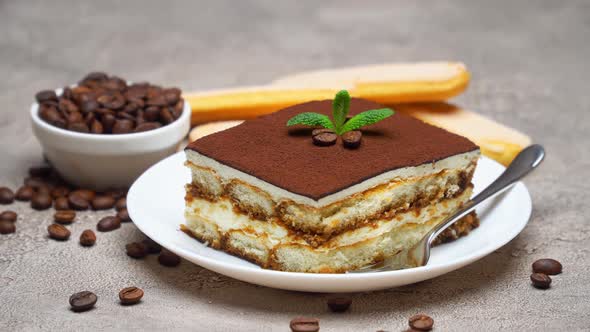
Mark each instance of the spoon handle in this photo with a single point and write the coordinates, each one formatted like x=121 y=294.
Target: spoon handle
x=527 y=160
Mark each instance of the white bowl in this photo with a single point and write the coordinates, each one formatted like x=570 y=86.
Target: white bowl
x=102 y=162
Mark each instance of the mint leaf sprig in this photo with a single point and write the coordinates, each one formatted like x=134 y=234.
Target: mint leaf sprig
x=340 y=109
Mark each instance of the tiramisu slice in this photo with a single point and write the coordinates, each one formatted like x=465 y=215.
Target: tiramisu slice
x=267 y=193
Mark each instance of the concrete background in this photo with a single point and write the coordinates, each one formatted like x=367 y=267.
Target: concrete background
x=530 y=68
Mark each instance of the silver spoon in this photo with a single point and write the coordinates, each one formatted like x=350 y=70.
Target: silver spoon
x=527 y=160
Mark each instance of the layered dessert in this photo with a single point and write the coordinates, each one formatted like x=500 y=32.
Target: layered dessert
x=265 y=192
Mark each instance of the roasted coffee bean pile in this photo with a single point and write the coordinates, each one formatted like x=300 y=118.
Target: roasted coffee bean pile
x=103 y=104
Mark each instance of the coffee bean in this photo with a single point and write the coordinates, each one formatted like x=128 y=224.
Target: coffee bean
x=8 y=215
x=304 y=324
x=88 y=106
x=83 y=301
x=152 y=113
x=352 y=139
x=34 y=183
x=96 y=127
x=547 y=266
x=339 y=304
x=108 y=224
x=85 y=193
x=166 y=116
x=117 y=193
x=168 y=258
x=130 y=295
x=421 y=322
x=60 y=191
x=325 y=139
x=80 y=127
x=136 y=250
x=321 y=131
x=41 y=201
x=152 y=246
x=61 y=203
x=6 y=196
x=541 y=280
x=40 y=171
x=64 y=216
x=45 y=95
x=58 y=232
x=52 y=116
x=121 y=204
x=123 y=126
x=87 y=238
x=108 y=122
x=95 y=76
x=7 y=227
x=24 y=194
x=75 y=117
x=123 y=215
x=147 y=126
x=77 y=202
x=103 y=202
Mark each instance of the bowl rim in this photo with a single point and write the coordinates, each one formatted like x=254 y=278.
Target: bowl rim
x=184 y=116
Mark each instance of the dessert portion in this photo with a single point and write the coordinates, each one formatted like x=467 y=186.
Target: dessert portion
x=267 y=193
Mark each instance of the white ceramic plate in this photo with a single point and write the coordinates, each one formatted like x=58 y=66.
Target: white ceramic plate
x=156 y=204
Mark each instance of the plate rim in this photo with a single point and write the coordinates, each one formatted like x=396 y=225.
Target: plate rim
x=231 y=270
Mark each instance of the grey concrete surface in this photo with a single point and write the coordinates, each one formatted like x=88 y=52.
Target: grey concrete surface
x=530 y=64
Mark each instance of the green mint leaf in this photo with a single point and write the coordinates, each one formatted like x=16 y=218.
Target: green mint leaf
x=366 y=118
x=311 y=119
x=340 y=107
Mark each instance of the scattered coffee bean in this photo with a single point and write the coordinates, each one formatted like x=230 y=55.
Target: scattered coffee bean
x=58 y=232
x=7 y=227
x=40 y=171
x=87 y=238
x=6 y=196
x=35 y=183
x=60 y=191
x=321 y=131
x=305 y=324
x=152 y=246
x=45 y=95
x=339 y=304
x=547 y=266
x=136 y=250
x=8 y=216
x=130 y=295
x=168 y=258
x=103 y=202
x=84 y=193
x=123 y=215
x=108 y=224
x=64 y=216
x=121 y=204
x=61 y=203
x=83 y=301
x=41 y=201
x=352 y=139
x=117 y=193
x=421 y=322
x=541 y=280
x=325 y=139
x=77 y=201
x=24 y=193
